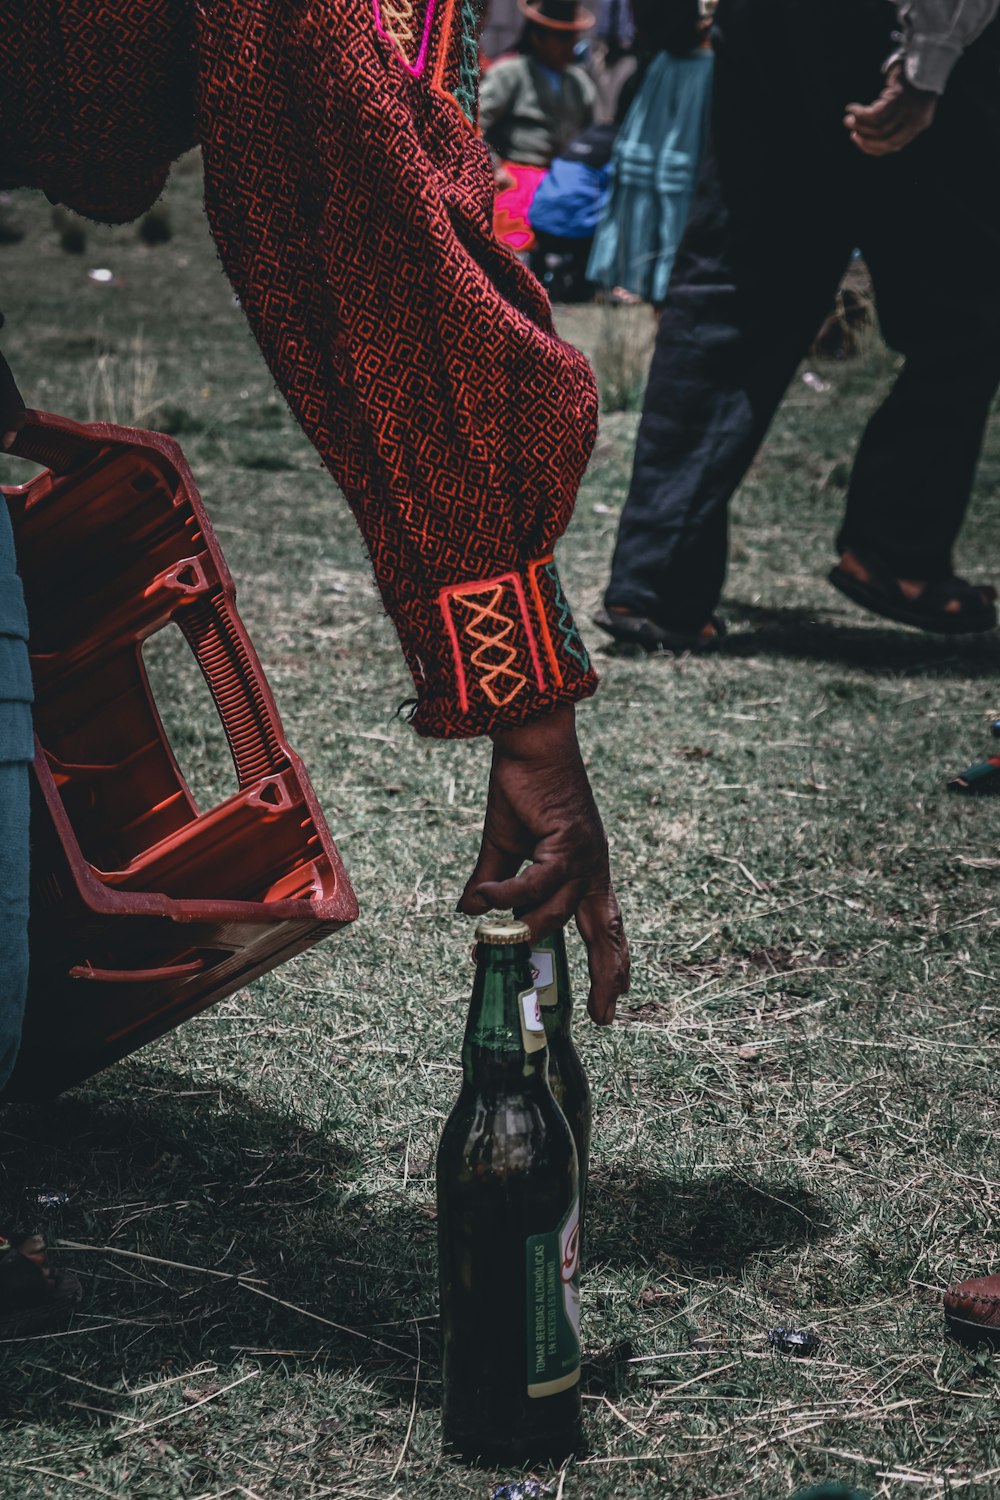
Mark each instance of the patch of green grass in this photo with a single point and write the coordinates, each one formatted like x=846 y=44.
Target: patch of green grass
x=796 y=1117
x=618 y=341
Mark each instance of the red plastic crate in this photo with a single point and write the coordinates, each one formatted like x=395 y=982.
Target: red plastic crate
x=146 y=910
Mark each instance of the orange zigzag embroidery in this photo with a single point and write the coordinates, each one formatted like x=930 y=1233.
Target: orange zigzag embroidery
x=491 y=629
x=494 y=639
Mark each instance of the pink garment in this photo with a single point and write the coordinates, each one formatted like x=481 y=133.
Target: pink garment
x=512 y=206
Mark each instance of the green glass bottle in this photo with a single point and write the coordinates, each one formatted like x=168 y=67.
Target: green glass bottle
x=567 y=1080
x=508 y=1228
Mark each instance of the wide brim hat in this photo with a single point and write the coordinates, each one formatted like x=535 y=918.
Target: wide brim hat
x=557 y=15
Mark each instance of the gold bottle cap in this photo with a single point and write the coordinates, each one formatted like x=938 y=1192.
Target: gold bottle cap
x=499 y=931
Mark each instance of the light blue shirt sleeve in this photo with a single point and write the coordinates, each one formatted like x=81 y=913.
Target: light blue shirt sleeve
x=934 y=34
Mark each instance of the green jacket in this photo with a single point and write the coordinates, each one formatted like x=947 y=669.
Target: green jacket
x=524 y=119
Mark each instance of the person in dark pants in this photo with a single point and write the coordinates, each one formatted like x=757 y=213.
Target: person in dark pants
x=790 y=186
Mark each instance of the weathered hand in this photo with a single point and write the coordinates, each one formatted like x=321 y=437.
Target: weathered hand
x=898 y=116
x=11 y=405
x=541 y=808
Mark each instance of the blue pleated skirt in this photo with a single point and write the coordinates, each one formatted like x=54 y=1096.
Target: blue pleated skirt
x=653 y=168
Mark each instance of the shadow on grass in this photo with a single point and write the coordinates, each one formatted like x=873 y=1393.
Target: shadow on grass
x=294 y=1221
x=796 y=633
x=301 y=1233
x=708 y=1226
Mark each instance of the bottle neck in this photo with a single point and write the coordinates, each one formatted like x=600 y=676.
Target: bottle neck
x=552 y=976
x=505 y=1036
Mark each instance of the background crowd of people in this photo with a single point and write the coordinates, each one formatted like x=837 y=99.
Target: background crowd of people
x=597 y=123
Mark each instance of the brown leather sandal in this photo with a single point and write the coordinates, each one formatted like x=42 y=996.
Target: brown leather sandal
x=882 y=595
x=972 y=1310
x=629 y=629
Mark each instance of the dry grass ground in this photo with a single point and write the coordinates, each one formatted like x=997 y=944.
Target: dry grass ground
x=796 y=1119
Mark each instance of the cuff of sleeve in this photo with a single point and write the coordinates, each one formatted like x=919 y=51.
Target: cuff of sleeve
x=508 y=650
x=928 y=61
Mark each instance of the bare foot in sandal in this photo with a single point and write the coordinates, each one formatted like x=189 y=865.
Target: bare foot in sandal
x=631 y=629
x=947 y=606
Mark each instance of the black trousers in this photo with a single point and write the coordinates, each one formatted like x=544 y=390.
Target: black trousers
x=782 y=200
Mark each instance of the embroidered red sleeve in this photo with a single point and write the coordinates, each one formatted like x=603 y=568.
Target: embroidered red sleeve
x=352 y=203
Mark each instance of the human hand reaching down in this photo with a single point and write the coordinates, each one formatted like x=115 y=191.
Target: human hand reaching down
x=540 y=808
x=897 y=116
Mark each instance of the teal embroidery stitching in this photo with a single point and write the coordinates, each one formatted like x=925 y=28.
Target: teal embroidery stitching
x=467 y=88
x=571 y=638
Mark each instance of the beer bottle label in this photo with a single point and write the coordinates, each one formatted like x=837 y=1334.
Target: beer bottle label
x=543 y=966
x=553 y=1266
x=532 y=1025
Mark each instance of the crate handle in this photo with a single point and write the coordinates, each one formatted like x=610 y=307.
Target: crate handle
x=53 y=442
x=234 y=684
x=136 y=976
